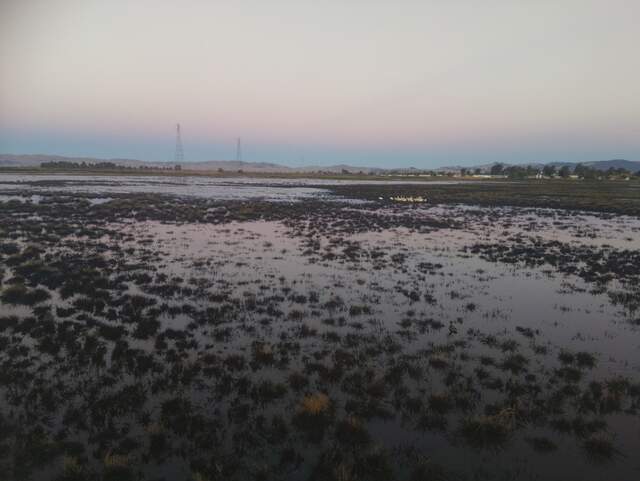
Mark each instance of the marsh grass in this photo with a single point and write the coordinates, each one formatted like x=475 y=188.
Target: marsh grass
x=599 y=448
x=226 y=366
x=314 y=416
x=489 y=431
x=315 y=404
x=17 y=294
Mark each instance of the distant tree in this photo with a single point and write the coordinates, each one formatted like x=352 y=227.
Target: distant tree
x=589 y=173
x=565 y=171
x=59 y=165
x=497 y=169
x=63 y=164
x=345 y=171
x=613 y=172
x=549 y=170
x=177 y=167
x=220 y=170
x=463 y=172
x=478 y=171
x=515 y=172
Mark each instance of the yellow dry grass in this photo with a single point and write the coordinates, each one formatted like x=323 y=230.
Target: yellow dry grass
x=315 y=404
x=154 y=428
x=70 y=465
x=116 y=460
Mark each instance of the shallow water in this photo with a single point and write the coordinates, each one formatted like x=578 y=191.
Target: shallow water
x=561 y=307
x=240 y=303
x=227 y=188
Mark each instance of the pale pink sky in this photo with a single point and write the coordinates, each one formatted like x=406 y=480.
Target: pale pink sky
x=447 y=82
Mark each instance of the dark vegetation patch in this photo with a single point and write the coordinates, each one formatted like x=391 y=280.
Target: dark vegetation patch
x=609 y=196
x=597 y=265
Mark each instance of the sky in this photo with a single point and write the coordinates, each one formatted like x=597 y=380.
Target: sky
x=364 y=82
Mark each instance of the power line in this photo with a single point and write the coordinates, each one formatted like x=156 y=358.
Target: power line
x=179 y=153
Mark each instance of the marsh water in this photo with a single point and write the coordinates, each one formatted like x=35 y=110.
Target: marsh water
x=283 y=189
x=251 y=330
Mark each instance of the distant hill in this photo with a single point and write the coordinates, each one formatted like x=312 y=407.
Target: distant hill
x=629 y=165
x=10 y=160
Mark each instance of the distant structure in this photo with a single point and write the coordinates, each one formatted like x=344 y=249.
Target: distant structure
x=179 y=153
x=239 y=150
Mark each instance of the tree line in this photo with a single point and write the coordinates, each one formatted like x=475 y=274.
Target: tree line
x=66 y=165
x=580 y=170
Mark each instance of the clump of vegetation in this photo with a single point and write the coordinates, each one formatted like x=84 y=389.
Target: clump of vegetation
x=566 y=357
x=585 y=359
x=297 y=381
x=438 y=362
x=72 y=470
x=9 y=248
x=489 y=431
x=314 y=416
x=516 y=363
x=268 y=391
x=351 y=431
x=315 y=404
x=262 y=354
x=20 y=294
x=357 y=310
x=441 y=403
x=599 y=448
x=118 y=467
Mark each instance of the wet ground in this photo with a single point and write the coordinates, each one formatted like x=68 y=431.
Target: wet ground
x=154 y=336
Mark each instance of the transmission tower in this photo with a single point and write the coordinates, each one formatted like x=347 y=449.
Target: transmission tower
x=179 y=153
x=239 y=150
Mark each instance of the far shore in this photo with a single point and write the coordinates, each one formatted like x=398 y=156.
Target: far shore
x=235 y=174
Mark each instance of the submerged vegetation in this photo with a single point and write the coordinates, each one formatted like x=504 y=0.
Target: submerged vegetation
x=155 y=337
